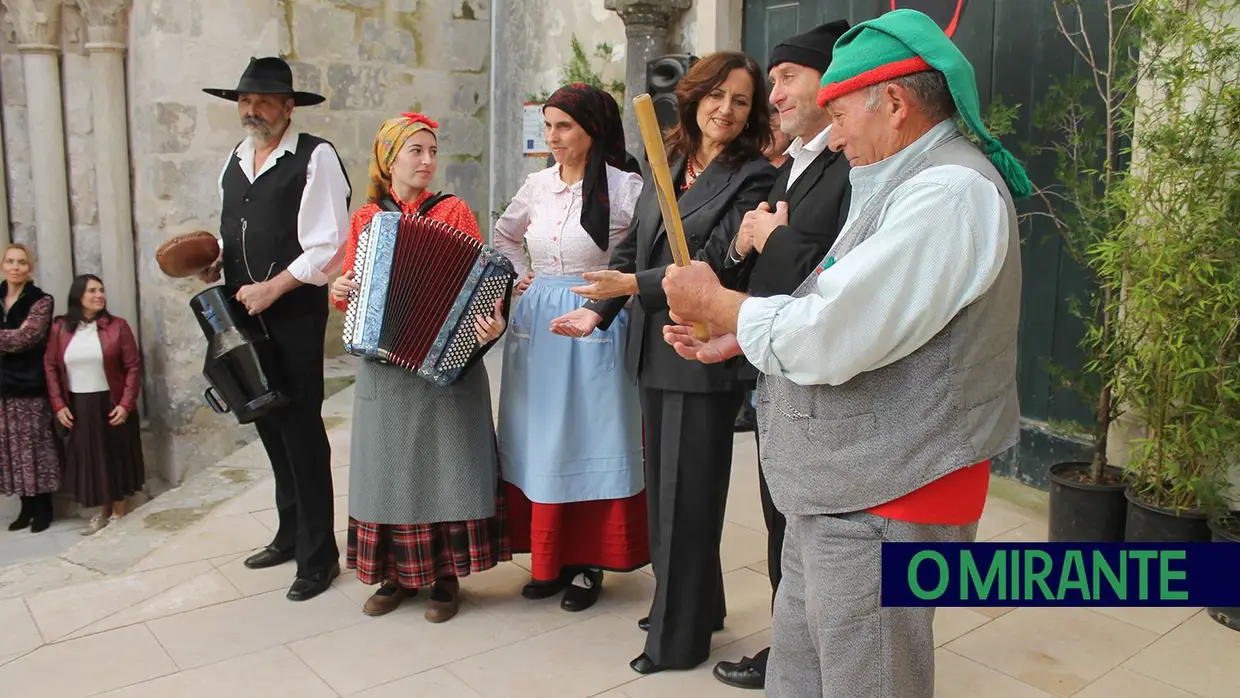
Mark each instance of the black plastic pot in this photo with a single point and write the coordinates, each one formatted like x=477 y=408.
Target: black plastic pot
x=1228 y=616
x=1081 y=512
x=1151 y=524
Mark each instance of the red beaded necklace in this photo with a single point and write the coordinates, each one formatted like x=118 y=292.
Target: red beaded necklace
x=690 y=174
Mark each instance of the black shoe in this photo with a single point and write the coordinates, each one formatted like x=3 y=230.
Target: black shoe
x=644 y=624
x=24 y=518
x=267 y=557
x=579 y=598
x=41 y=510
x=537 y=589
x=310 y=586
x=644 y=665
x=742 y=674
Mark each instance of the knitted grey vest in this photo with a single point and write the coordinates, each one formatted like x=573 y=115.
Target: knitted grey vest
x=888 y=432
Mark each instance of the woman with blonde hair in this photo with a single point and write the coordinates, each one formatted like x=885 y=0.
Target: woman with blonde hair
x=425 y=506
x=29 y=462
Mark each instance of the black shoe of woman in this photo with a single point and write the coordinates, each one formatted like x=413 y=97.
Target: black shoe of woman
x=23 y=518
x=41 y=513
x=583 y=591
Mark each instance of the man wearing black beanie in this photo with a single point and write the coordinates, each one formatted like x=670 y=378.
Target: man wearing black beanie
x=781 y=241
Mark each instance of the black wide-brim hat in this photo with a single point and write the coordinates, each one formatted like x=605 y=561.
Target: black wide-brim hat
x=267 y=76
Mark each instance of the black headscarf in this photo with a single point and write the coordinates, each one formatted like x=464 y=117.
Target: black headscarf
x=598 y=115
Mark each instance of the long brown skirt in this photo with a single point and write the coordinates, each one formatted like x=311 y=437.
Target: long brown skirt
x=104 y=462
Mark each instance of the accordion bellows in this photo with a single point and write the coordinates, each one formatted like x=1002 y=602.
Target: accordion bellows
x=421 y=282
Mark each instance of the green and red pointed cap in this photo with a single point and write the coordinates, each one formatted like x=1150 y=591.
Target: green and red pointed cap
x=903 y=42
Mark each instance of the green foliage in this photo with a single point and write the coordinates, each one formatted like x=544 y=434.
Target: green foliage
x=1176 y=253
x=579 y=69
x=1084 y=126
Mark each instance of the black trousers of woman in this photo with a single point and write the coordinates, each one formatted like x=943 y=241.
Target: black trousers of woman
x=688 y=468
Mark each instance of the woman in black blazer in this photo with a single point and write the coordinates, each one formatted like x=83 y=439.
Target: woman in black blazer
x=687 y=407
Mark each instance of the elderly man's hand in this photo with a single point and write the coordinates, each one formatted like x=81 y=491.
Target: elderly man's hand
x=690 y=289
x=711 y=351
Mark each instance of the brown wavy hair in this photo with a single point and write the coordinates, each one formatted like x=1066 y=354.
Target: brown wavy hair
x=706 y=75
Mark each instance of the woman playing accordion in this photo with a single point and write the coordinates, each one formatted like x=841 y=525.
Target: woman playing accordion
x=424 y=503
x=570 y=430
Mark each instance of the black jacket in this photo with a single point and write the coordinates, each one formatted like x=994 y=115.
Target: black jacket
x=817 y=210
x=21 y=362
x=711 y=210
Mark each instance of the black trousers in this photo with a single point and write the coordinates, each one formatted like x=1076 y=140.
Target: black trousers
x=296 y=440
x=775 y=525
x=688 y=466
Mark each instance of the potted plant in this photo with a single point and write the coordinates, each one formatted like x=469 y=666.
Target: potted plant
x=1177 y=255
x=1085 y=125
x=1226 y=530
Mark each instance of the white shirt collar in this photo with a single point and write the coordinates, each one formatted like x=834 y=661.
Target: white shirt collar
x=287 y=144
x=815 y=146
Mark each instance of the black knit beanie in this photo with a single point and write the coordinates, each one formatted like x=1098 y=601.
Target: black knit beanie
x=811 y=49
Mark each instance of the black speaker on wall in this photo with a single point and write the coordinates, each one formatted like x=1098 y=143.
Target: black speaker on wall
x=662 y=76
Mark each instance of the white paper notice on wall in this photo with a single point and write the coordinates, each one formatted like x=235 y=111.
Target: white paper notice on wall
x=533 y=135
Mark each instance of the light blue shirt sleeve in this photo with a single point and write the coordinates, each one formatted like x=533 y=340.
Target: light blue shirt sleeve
x=940 y=243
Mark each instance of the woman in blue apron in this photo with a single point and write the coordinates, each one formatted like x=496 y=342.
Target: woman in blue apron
x=569 y=430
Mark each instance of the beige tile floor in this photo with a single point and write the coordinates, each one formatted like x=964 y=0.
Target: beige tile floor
x=190 y=620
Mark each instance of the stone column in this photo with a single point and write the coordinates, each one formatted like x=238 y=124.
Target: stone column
x=38 y=40
x=106 y=30
x=5 y=237
x=645 y=29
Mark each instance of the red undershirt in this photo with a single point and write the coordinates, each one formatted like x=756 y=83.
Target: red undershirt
x=954 y=499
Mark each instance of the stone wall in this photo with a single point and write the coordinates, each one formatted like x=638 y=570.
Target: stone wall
x=532 y=44
x=79 y=145
x=372 y=59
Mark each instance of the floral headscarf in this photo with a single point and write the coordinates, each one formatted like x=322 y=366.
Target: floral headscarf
x=388 y=142
x=598 y=115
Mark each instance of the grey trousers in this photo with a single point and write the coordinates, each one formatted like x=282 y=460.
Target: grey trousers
x=831 y=638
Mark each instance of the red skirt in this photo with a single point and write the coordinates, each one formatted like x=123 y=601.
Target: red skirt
x=607 y=534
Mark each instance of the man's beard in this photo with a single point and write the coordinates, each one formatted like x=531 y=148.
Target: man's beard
x=804 y=117
x=259 y=129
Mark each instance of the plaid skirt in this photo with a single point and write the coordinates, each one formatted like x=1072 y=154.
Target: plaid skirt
x=416 y=555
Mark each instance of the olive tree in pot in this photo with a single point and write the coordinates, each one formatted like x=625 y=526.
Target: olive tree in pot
x=1085 y=126
x=1178 y=257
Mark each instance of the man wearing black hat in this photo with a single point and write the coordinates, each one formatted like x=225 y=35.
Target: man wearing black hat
x=283 y=226
x=781 y=241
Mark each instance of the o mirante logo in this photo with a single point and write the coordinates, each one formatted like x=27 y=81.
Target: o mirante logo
x=1061 y=574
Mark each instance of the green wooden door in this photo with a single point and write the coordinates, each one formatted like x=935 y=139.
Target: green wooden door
x=1017 y=54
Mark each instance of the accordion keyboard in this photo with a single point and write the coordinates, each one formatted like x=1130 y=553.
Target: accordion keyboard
x=421 y=282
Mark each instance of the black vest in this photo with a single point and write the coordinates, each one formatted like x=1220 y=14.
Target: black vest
x=21 y=372
x=268 y=210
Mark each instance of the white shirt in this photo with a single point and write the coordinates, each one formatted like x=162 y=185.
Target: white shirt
x=84 y=361
x=942 y=237
x=546 y=214
x=803 y=154
x=322 y=220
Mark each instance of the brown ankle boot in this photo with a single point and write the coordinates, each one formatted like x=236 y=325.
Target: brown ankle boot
x=445 y=600
x=386 y=599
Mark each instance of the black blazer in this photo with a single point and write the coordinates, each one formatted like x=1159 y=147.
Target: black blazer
x=817 y=210
x=711 y=210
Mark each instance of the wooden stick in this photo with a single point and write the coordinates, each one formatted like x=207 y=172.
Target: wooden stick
x=652 y=135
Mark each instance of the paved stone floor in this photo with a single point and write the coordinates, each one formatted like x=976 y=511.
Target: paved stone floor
x=187 y=619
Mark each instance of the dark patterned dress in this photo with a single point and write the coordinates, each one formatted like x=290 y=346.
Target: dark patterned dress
x=29 y=460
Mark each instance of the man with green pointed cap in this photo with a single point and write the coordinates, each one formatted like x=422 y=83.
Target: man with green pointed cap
x=889 y=375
